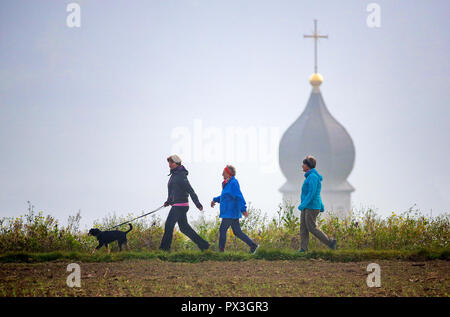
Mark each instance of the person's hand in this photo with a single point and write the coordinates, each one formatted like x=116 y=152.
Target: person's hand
x=245 y=213
x=213 y=203
x=201 y=208
x=166 y=204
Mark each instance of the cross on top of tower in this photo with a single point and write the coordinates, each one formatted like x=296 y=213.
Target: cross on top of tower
x=315 y=36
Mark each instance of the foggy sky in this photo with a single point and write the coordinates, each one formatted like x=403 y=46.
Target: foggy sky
x=87 y=114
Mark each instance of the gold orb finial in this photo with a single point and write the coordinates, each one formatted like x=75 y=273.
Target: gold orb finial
x=315 y=80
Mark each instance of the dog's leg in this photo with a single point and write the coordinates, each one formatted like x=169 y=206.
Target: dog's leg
x=98 y=247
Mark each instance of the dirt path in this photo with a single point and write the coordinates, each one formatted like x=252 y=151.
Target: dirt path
x=249 y=278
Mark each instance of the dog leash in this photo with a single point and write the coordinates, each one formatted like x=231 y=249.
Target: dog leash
x=151 y=212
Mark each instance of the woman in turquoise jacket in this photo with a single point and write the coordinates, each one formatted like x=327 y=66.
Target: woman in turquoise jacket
x=232 y=207
x=311 y=205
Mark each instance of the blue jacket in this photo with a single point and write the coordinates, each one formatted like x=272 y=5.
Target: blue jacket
x=311 y=191
x=231 y=200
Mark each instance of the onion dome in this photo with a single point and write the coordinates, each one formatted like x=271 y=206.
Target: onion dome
x=316 y=132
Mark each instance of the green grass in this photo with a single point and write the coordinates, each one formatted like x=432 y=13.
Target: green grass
x=363 y=232
x=198 y=256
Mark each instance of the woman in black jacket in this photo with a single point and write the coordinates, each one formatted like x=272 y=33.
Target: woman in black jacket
x=179 y=191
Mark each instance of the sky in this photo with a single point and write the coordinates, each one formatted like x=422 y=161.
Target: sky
x=89 y=114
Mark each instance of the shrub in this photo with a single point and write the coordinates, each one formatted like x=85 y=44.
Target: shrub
x=363 y=230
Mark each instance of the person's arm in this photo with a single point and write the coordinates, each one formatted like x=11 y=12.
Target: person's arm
x=242 y=200
x=236 y=193
x=214 y=201
x=312 y=187
x=168 y=201
x=191 y=192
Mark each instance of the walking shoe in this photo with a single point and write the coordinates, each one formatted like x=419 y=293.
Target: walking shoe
x=254 y=248
x=301 y=251
x=333 y=244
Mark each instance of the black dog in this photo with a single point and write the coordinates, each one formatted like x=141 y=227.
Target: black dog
x=105 y=237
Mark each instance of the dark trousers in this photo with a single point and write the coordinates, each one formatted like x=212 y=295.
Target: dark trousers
x=236 y=227
x=178 y=214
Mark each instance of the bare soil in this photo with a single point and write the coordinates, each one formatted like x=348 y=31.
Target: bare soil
x=248 y=278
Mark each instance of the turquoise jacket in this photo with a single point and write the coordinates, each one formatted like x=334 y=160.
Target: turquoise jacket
x=231 y=200
x=311 y=191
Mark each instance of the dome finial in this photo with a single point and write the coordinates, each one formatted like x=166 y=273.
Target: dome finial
x=316 y=80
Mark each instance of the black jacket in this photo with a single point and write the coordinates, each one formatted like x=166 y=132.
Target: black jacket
x=179 y=188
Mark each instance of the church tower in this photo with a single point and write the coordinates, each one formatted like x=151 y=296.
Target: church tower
x=316 y=132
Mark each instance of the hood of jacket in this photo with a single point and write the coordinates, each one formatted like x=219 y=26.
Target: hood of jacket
x=179 y=170
x=313 y=171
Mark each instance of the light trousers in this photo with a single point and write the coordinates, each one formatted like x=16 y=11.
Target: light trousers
x=308 y=224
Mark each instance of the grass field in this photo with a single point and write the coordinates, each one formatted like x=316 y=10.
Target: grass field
x=412 y=249
x=362 y=230
x=198 y=256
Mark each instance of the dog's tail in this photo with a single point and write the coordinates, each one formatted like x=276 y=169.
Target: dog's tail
x=131 y=227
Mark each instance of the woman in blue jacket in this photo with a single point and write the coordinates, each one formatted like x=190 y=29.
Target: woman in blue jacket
x=232 y=207
x=311 y=205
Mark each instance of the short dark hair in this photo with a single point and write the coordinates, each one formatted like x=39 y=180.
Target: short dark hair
x=310 y=161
